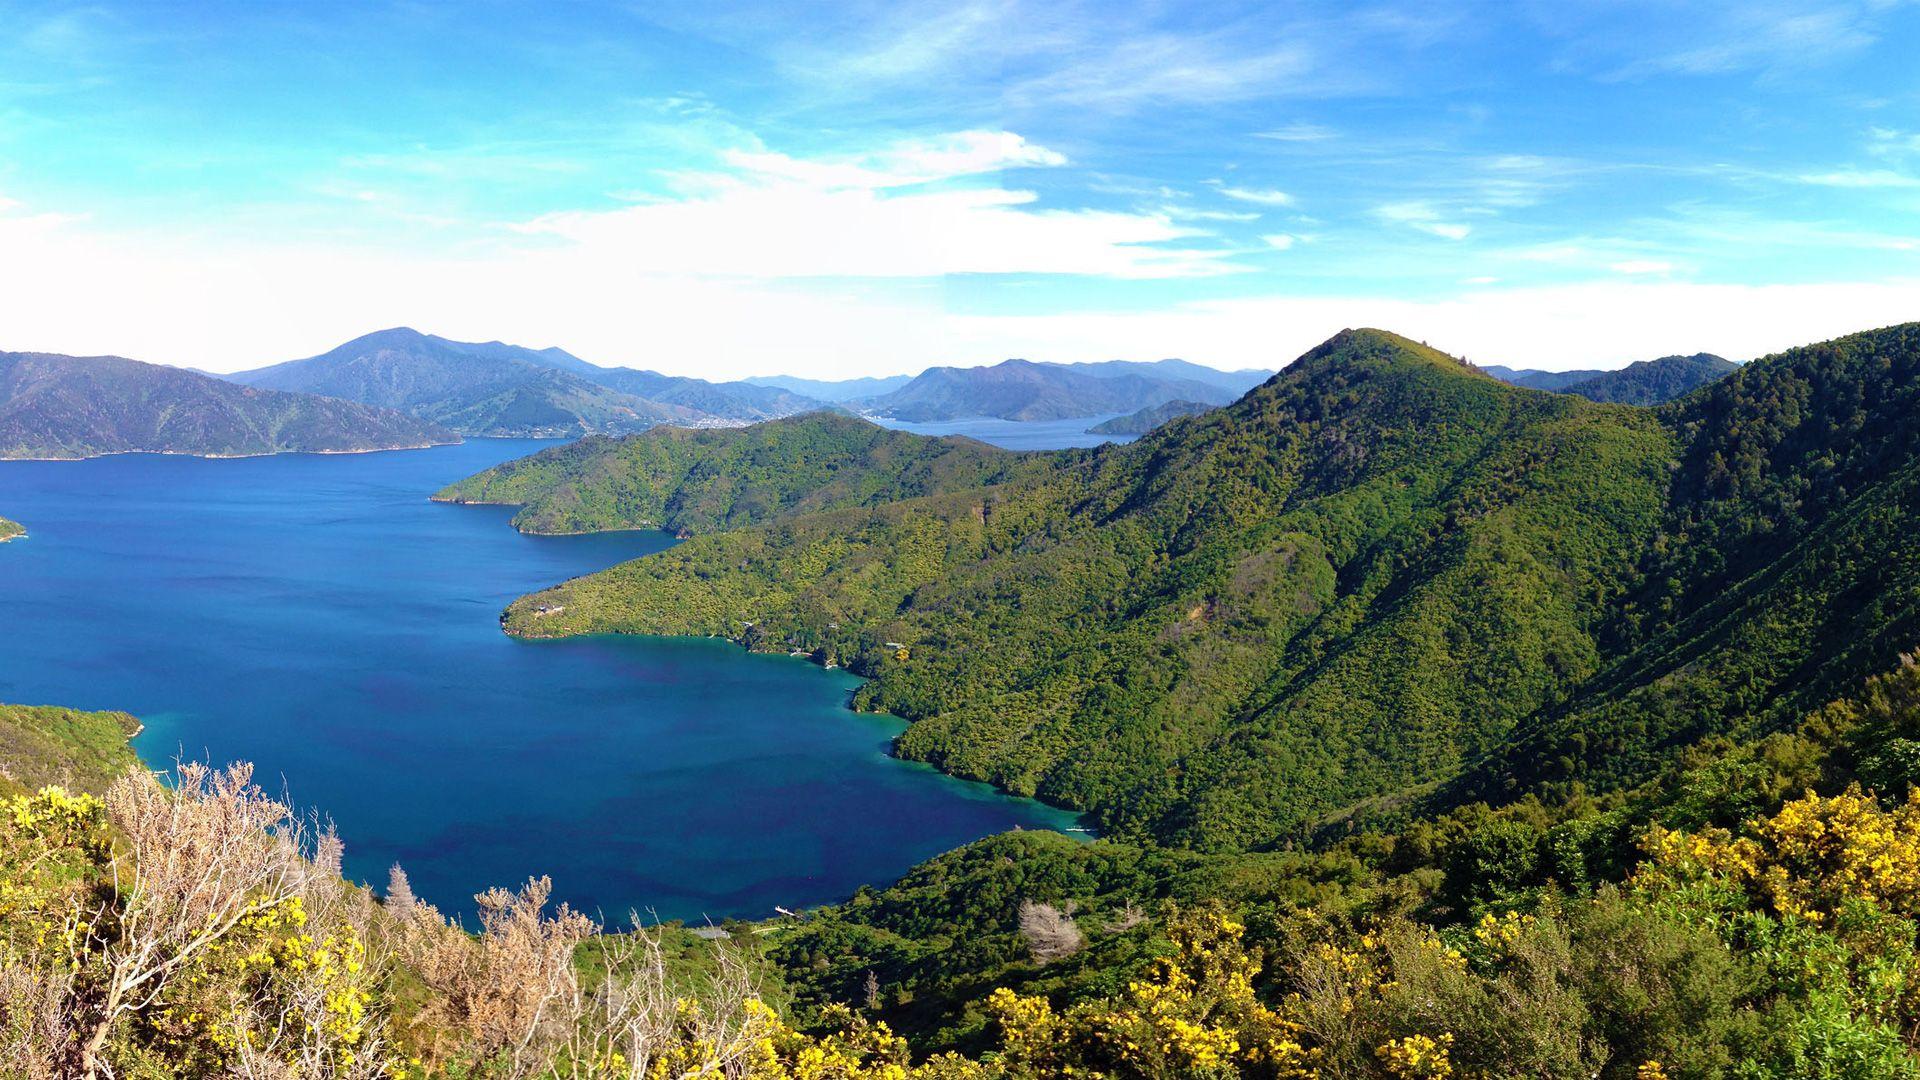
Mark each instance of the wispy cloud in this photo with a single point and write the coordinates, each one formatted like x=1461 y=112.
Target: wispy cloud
x=1258 y=196
x=918 y=161
x=1297 y=133
x=1280 y=241
x=1641 y=39
x=1861 y=178
x=1423 y=217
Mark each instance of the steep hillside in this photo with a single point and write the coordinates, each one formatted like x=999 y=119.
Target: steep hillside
x=1139 y=423
x=707 y=481
x=1652 y=382
x=83 y=751
x=484 y=389
x=1023 y=390
x=1358 y=577
x=55 y=406
x=1785 y=567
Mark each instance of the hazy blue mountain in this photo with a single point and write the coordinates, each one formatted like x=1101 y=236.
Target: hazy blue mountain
x=1139 y=423
x=71 y=406
x=729 y=400
x=493 y=388
x=834 y=391
x=1024 y=390
x=1239 y=382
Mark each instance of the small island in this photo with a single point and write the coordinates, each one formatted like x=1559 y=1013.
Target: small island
x=10 y=529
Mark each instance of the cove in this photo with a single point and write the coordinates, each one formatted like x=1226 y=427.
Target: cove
x=316 y=615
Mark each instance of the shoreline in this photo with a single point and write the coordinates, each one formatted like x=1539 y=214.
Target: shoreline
x=1084 y=828
x=240 y=457
x=557 y=532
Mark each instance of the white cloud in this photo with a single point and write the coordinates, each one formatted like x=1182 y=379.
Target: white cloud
x=1641 y=266
x=1861 y=178
x=961 y=154
x=1299 y=132
x=1422 y=216
x=1258 y=196
x=904 y=211
x=1187 y=213
x=1280 y=241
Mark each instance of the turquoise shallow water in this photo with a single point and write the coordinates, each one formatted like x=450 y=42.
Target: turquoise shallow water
x=318 y=616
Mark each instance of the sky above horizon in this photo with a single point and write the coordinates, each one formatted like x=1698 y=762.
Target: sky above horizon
x=838 y=190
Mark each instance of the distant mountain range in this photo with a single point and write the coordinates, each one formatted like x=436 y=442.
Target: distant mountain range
x=492 y=388
x=1145 y=420
x=843 y=390
x=1029 y=391
x=1644 y=382
x=54 y=406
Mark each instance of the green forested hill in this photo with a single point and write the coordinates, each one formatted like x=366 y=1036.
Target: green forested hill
x=709 y=480
x=1651 y=382
x=1785 y=568
x=1379 y=572
x=10 y=529
x=1359 y=577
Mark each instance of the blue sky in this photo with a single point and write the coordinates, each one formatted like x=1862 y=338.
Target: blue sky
x=844 y=189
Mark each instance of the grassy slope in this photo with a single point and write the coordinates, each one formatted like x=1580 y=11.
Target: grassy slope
x=42 y=744
x=1359 y=577
x=710 y=480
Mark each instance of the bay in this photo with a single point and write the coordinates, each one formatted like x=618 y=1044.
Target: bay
x=318 y=616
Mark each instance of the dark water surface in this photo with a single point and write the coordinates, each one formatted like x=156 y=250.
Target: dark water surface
x=318 y=616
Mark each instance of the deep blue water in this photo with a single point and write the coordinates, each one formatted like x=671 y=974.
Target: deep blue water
x=318 y=616
x=1017 y=434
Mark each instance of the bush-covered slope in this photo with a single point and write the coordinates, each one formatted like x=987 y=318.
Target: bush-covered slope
x=55 y=406
x=10 y=529
x=1358 y=577
x=1785 y=569
x=707 y=481
x=83 y=751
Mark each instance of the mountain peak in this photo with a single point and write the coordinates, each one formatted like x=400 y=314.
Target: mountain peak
x=1368 y=347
